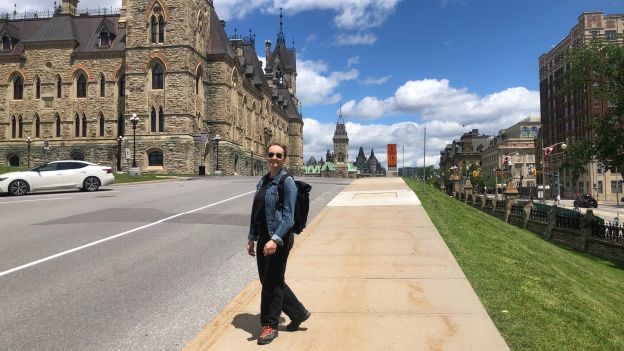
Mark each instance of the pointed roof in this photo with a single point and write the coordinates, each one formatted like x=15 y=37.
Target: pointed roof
x=311 y=161
x=287 y=57
x=218 y=42
x=372 y=155
x=361 y=153
x=340 y=134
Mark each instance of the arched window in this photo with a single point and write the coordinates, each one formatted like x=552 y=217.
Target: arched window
x=154 y=25
x=77 y=126
x=158 y=76
x=102 y=86
x=13 y=127
x=153 y=120
x=59 y=87
x=84 y=125
x=161 y=29
x=81 y=86
x=122 y=85
x=18 y=87
x=20 y=126
x=102 y=124
x=14 y=161
x=121 y=125
x=57 y=122
x=6 y=43
x=161 y=120
x=37 y=126
x=155 y=158
x=37 y=88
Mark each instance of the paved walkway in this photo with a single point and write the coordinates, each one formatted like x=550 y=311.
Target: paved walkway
x=376 y=275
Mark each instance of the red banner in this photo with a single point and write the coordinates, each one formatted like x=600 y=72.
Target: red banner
x=392 y=155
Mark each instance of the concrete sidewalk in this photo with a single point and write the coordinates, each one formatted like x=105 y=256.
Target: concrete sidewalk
x=376 y=275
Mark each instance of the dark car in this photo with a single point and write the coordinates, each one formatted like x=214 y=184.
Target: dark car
x=586 y=200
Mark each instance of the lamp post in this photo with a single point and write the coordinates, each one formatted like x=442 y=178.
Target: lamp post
x=216 y=139
x=547 y=151
x=267 y=138
x=253 y=163
x=134 y=170
x=46 y=147
x=29 y=145
x=119 y=139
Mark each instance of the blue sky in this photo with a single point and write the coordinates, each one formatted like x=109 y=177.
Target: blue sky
x=399 y=66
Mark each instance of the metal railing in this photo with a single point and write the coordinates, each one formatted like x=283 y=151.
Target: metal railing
x=538 y=215
x=608 y=231
x=488 y=204
x=568 y=219
x=517 y=209
x=500 y=205
x=49 y=13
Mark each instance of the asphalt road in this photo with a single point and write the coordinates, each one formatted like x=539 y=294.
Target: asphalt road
x=103 y=271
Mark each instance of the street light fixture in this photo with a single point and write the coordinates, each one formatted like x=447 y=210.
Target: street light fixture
x=216 y=139
x=134 y=119
x=547 y=151
x=29 y=144
x=253 y=163
x=267 y=138
x=119 y=139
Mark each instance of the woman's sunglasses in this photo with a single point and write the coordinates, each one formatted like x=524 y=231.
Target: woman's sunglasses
x=278 y=155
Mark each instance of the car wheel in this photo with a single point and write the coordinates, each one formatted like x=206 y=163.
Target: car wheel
x=91 y=184
x=18 y=187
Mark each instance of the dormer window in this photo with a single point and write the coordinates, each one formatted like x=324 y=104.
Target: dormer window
x=105 y=39
x=7 y=43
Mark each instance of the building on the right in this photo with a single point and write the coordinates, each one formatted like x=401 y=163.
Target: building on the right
x=565 y=115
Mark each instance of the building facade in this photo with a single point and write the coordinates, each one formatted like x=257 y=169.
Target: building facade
x=565 y=115
x=70 y=83
x=464 y=151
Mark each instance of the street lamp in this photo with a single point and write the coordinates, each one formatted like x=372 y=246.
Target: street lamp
x=134 y=119
x=216 y=139
x=29 y=143
x=267 y=138
x=253 y=163
x=119 y=139
x=547 y=151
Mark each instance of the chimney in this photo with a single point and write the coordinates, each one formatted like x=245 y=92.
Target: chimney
x=69 y=7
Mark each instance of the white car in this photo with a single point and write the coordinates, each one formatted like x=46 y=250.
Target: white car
x=54 y=175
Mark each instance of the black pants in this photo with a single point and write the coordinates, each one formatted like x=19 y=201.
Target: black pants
x=276 y=295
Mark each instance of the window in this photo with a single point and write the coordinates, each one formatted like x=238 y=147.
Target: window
x=157 y=76
x=596 y=102
x=122 y=85
x=614 y=187
x=57 y=122
x=153 y=120
x=104 y=39
x=155 y=158
x=21 y=127
x=37 y=126
x=13 y=127
x=81 y=86
x=599 y=187
x=610 y=35
x=161 y=29
x=154 y=25
x=18 y=88
x=77 y=126
x=161 y=120
x=102 y=124
x=84 y=125
x=102 y=86
x=594 y=34
x=59 y=87
x=121 y=125
x=37 y=88
x=6 y=43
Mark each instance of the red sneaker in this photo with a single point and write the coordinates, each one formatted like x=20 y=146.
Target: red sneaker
x=268 y=334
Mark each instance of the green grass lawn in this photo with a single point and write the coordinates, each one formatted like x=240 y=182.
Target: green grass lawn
x=540 y=295
x=7 y=169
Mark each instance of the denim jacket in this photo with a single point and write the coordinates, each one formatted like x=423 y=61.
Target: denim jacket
x=279 y=219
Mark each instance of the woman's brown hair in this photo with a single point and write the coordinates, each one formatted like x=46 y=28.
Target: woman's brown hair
x=280 y=145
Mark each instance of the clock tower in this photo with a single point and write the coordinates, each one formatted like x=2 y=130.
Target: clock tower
x=341 y=148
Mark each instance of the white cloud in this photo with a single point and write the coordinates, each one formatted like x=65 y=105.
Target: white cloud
x=355 y=39
x=315 y=86
x=407 y=135
x=350 y=14
x=432 y=99
x=375 y=81
x=354 y=60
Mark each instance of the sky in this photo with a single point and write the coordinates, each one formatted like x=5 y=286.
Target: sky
x=402 y=66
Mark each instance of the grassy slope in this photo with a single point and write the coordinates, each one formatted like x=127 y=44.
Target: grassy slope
x=555 y=298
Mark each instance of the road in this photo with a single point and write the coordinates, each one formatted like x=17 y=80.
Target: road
x=131 y=267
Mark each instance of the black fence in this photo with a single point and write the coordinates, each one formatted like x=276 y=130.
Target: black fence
x=608 y=231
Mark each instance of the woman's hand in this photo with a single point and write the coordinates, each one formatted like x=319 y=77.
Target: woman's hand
x=270 y=247
x=250 y=248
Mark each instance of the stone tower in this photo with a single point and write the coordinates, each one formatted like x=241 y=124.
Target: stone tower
x=341 y=148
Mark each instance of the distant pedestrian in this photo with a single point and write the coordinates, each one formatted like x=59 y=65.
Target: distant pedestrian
x=558 y=199
x=271 y=222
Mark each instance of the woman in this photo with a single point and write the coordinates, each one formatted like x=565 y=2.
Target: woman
x=271 y=220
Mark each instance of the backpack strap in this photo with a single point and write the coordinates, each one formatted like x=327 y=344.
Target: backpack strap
x=280 y=188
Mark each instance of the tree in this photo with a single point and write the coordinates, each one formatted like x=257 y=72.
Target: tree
x=576 y=157
x=598 y=68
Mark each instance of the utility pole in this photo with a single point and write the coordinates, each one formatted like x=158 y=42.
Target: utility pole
x=424 y=154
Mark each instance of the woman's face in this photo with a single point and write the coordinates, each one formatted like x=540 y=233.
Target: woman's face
x=275 y=158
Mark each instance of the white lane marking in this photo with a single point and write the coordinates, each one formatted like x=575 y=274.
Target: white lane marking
x=46 y=199
x=12 y=270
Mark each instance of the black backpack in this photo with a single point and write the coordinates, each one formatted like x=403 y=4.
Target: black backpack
x=302 y=203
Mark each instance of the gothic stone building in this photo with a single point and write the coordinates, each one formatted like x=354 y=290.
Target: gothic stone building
x=70 y=83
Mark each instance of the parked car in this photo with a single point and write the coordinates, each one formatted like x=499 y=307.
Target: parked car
x=54 y=175
x=586 y=200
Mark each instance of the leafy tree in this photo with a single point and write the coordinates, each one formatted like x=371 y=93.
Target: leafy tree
x=599 y=67
x=576 y=157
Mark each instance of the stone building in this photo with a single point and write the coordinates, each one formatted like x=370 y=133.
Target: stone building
x=70 y=83
x=566 y=115
x=464 y=151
